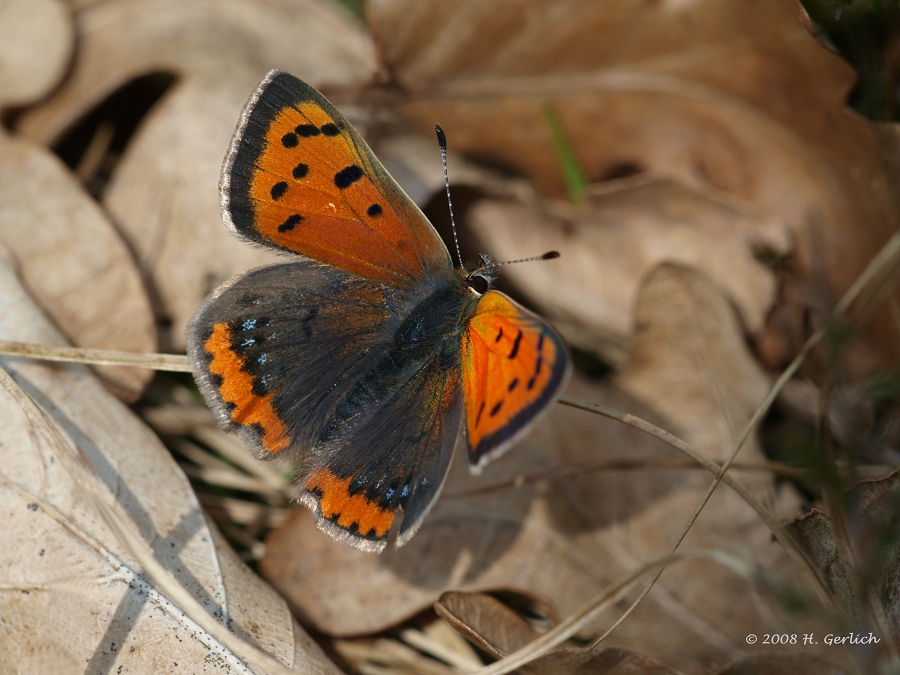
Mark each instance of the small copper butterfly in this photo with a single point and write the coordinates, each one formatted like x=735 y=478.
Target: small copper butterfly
x=361 y=357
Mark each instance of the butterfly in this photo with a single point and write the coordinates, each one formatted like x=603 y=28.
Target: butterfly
x=362 y=357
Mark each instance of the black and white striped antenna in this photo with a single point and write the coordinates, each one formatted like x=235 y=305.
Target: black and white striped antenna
x=442 y=142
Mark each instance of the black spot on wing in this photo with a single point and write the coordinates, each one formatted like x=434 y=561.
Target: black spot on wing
x=347 y=176
x=300 y=171
x=374 y=210
x=290 y=140
x=515 y=347
x=537 y=369
x=307 y=130
x=290 y=223
x=279 y=189
x=330 y=129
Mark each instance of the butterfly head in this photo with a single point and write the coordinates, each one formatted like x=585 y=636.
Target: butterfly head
x=481 y=276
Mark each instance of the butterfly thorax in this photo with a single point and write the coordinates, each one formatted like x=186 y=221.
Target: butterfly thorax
x=436 y=319
x=428 y=336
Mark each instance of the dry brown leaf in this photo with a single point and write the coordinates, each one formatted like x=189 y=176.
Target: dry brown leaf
x=72 y=259
x=565 y=540
x=872 y=526
x=498 y=630
x=735 y=96
x=782 y=664
x=163 y=194
x=690 y=364
x=68 y=253
x=485 y=621
x=73 y=600
x=626 y=228
x=602 y=662
x=813 y=533
x=36 y=39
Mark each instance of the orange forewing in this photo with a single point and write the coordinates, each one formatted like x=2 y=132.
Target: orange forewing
x=513 y=365
x=236 y=389
x=312 y=186
x=336 y=227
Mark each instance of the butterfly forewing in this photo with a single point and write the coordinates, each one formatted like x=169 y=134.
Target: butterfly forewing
x=514 y=365
x=263 y=349
x=299 y=177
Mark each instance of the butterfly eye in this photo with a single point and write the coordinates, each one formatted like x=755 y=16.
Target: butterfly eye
x=479 y=283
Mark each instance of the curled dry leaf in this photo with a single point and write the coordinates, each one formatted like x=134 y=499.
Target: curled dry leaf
x=72 y=598
x=163 y=193
x=624 y=229
x=872 y=526
x=36 y=39
x=813 y=532
x=485 y=621
x=565 y=540
x=498 y=630
x=730 y=95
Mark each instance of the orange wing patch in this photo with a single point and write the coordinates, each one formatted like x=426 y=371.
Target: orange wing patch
x=236 y=389
x=313 y=196
x=514 y=365
x=351 y=512
x=299 y=177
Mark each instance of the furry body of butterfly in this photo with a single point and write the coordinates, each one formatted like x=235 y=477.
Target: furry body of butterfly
x=362 y=360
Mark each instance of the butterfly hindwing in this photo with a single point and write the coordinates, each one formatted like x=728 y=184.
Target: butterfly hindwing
x=300 y=178
x=514 y=365
x=264 y=350
x=393 y=453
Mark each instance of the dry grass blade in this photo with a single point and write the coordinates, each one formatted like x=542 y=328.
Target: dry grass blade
x=96 y=357
x=389 y=657
x=581 y=468
x=242 y=512
x=167 y=585
x=459 y=660
x=235 y=451
x=227 y=478
x=873 y=286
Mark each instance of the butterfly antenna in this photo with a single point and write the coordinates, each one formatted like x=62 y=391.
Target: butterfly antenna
x=442 y=142
x=549 y=255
